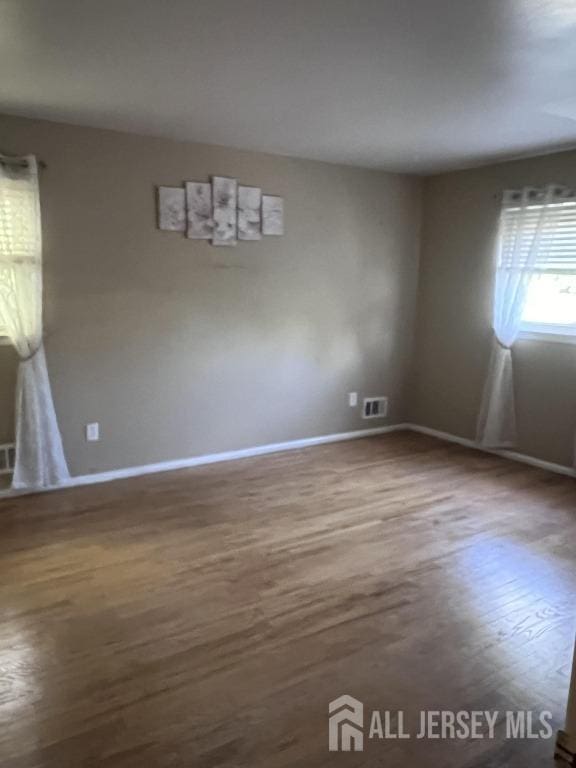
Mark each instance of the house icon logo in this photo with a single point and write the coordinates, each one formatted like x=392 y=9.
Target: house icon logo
x=345 y=724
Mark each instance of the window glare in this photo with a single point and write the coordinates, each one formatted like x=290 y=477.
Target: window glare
x=551 y=300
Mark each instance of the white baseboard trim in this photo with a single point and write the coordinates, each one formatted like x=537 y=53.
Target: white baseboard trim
x=213 y=458
x=292 y=445
x=523 y=458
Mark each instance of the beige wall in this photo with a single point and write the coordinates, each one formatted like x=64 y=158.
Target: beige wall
x=179 y=348
x=454 y=311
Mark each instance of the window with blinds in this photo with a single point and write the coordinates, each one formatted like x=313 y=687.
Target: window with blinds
x=19 y=238
x=546 y=245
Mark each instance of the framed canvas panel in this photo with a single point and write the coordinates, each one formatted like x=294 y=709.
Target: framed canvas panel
x=171 y=209
x=199 y=205
x=249 y=213
x=272 y=215
x=224 y=201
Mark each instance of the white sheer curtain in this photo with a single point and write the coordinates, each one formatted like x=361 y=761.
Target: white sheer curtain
x=40 y=460
x=520 y=247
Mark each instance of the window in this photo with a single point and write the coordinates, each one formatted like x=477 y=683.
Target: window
x=20 y=242
x=549 y=243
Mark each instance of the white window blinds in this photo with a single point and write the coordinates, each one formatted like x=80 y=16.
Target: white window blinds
x=540 y=236
x=39 y=460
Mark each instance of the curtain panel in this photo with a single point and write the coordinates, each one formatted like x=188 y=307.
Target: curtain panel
x=40 y=460
x=529 y=229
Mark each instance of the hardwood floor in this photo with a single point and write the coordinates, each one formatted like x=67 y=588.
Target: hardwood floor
x=206 y=617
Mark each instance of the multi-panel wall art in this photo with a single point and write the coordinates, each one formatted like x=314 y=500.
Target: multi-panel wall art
x=222 y=211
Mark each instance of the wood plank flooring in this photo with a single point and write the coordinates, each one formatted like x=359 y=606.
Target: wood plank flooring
x=206 y=617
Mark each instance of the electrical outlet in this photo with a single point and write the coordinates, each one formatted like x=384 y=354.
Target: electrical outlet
x=93 y=432
x=352 y=399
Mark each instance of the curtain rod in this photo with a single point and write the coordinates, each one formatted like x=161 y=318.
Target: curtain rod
x=6 y=160
x=534 y=192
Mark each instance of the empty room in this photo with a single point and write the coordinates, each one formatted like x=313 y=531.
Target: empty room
x=287 y=383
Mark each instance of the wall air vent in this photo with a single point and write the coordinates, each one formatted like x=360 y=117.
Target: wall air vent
x=7 y=456
x=375 y=407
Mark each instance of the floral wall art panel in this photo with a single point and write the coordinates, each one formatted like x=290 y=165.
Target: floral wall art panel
x=249 y=213
x=272 y=215
x=171 y=209
x=199 y=203
x=224 y=198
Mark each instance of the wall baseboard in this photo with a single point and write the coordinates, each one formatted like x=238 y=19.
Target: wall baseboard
x=523 y=458
x=213 y=458
x=292 y=445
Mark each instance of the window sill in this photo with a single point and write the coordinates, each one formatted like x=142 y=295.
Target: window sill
x=551 y=337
